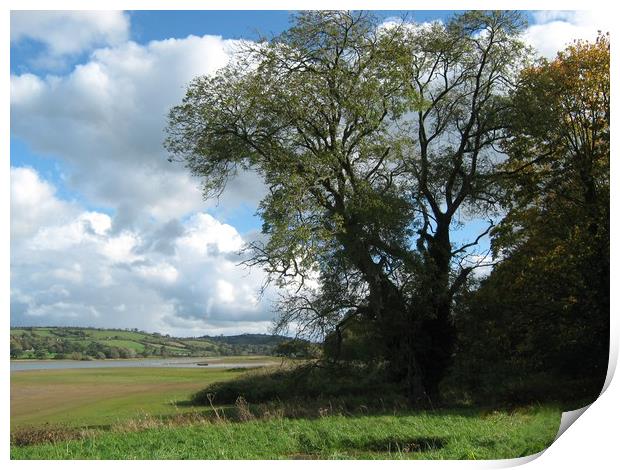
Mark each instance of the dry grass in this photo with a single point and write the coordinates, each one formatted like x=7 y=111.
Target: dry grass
x=48 y=434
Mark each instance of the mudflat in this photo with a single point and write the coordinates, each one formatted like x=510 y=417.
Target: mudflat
x=99 y=397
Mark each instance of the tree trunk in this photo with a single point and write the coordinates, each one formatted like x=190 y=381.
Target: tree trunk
x=436 y=354
x=437 y=332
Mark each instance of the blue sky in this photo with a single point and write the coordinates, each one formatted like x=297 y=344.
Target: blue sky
x=106 y=232
x=163 y=24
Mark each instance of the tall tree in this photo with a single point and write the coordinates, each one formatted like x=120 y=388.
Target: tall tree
x=372 y=140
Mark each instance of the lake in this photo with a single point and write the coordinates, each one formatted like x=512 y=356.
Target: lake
x=214 y=363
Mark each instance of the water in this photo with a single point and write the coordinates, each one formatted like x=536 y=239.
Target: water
x=170 y=362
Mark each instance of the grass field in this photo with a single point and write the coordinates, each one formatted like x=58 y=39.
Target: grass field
x=133 y=413
x=124 y=343
x=95 y=397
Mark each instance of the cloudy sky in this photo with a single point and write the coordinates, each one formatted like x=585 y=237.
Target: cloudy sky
x=104 y=230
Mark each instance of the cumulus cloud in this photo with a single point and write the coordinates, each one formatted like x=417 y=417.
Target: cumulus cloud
x=35 y=202
x=156 y=260
x=552 y=31
x=68 y=33
x=68 y=267
x=106 y=120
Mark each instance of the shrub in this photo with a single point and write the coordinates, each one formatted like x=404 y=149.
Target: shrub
x=307 y=381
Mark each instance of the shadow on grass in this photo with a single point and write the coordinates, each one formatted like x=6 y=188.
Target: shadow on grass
x=417 y=444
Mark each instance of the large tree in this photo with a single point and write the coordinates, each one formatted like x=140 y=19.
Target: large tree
x=374 y=141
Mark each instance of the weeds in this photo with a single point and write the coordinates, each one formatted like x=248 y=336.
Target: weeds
x=243 y=410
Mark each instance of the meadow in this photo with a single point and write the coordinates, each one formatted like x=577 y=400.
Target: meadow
x=133 y=413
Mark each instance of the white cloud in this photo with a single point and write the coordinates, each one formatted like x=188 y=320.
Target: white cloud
x=64 y=311
x=162 y=272
x=225 y=291
x=35 y=203
x=205 y=234
x=87 y=226
x=73 y=274
x=68 y=33
x=552 y=31
x=114 y=109
x=121 y=248
x=70 y=268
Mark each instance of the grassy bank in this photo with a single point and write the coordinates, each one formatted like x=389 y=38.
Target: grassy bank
x=444 y=434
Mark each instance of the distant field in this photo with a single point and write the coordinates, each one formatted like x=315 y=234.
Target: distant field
x=38 y=331
x=109 y=334
x=94 y=397
x=124 y=343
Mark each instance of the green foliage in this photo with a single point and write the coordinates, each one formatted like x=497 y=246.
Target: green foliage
x=297 y=348
x=354 y=343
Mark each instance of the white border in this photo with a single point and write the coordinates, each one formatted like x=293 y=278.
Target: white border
x=590 y=442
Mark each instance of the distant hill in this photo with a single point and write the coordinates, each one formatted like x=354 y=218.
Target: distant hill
x=95 y=343
x=248 y=339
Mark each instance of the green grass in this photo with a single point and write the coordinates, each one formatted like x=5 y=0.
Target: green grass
x=174 y=349
x=446 y=434
x=18 y=332
x=199 y=343
x=41 y=332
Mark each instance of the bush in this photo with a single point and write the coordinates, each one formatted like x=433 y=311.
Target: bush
x=307 y=381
